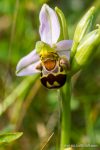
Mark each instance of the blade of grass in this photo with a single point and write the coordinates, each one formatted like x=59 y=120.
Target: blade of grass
x=18 y=91
x=89 y=123
x=24 y=107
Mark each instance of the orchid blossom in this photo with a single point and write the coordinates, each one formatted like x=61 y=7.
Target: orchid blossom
x=49 y=47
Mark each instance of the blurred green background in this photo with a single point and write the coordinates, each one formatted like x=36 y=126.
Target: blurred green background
x=25 y=105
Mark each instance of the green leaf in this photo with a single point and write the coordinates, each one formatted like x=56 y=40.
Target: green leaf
x=63 y=24
x=9 y=137
x=81 y=29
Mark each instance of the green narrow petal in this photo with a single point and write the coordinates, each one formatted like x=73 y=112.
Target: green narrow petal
x=63 y=24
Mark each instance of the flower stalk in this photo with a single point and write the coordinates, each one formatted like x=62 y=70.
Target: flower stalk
x=66 y=114
x=65 y=92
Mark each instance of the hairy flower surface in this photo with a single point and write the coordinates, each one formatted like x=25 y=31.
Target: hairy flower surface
x=50 y=56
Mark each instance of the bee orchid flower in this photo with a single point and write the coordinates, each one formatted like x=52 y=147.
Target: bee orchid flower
x=50 y=57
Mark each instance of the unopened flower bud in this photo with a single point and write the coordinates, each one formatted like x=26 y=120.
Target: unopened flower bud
x=81 y=29
x=86 y=50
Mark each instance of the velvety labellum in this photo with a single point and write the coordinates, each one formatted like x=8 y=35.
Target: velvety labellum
x=53 y=81
x=53 y=72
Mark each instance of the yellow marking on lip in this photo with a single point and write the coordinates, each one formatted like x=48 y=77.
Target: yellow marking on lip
x=52 y=85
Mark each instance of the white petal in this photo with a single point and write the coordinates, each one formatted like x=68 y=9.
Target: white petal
x=29 y=70
x=27 y=65
x=64 y=45
x=49 y=25
x=63 y=48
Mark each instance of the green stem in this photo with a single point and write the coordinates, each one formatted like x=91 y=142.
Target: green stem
x=66 y=115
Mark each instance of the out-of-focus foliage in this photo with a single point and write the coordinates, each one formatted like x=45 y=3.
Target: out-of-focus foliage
x=9 y=137
x=33 y=109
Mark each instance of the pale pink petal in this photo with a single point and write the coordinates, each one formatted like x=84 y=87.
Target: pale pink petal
x=27 y=65
x=63 y=45
x=29 y=70
x=49 y=25
x=63 y=48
